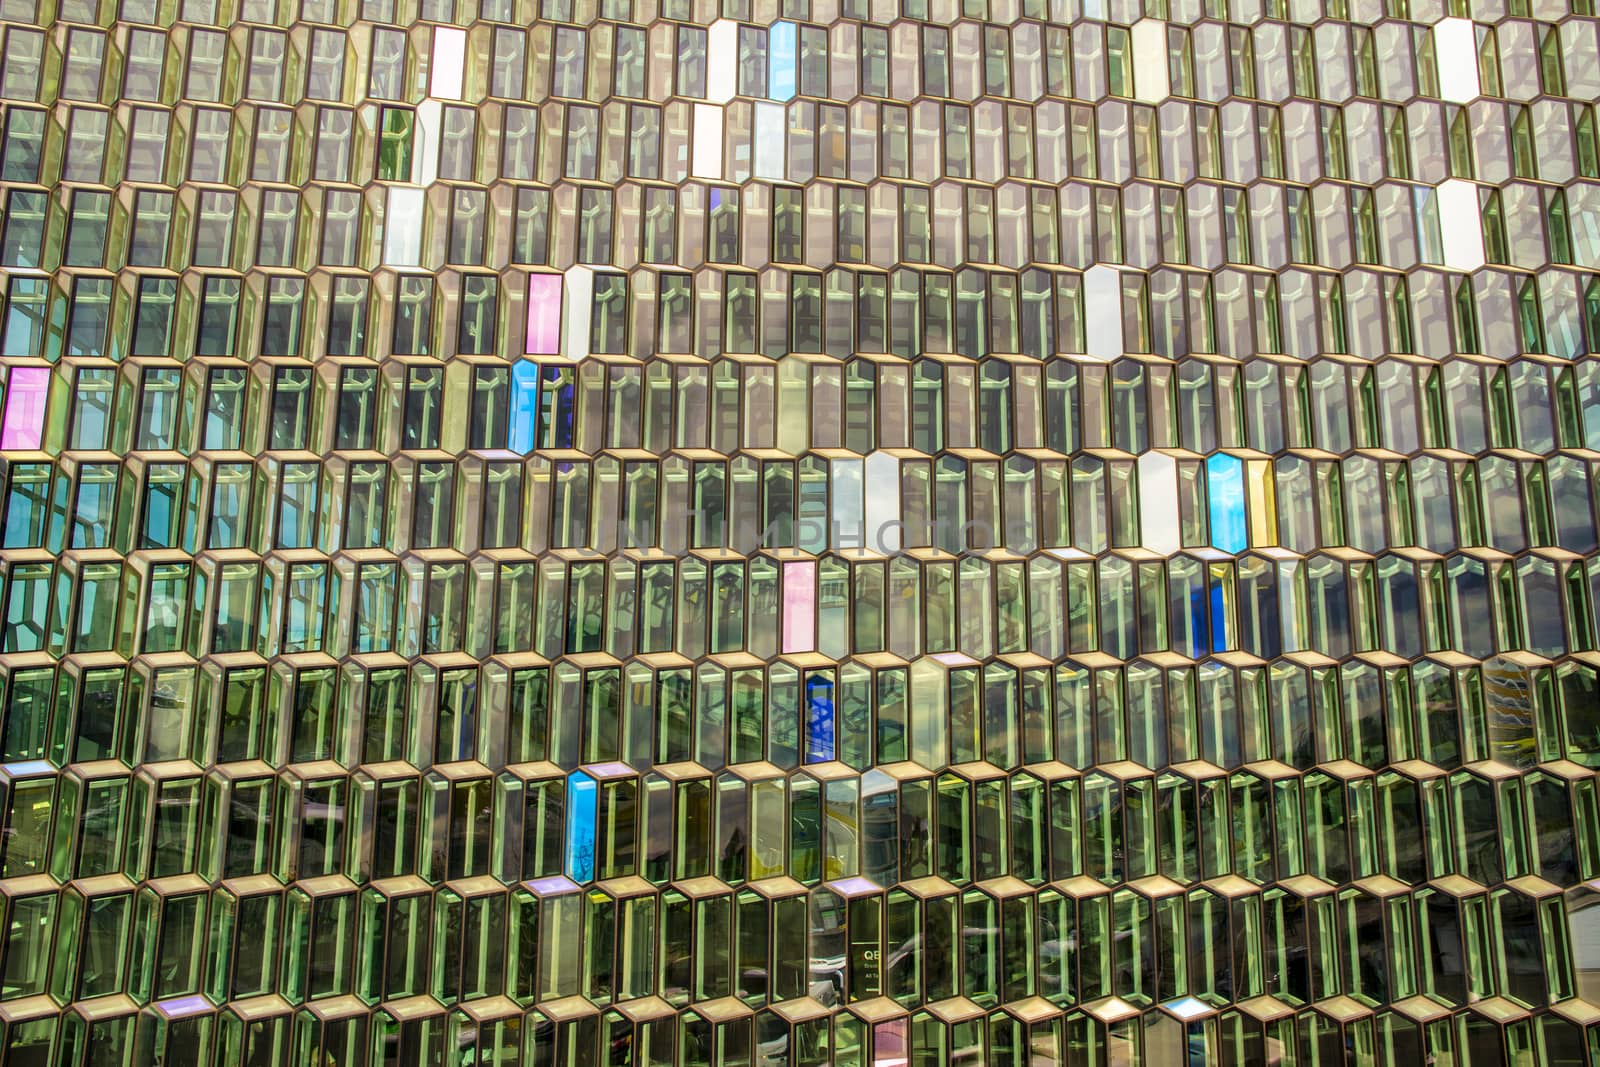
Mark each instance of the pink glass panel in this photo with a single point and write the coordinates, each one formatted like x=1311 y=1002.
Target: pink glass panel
x=889 y=1043
x=799 y=607
x=26 y=393
x=544 y=315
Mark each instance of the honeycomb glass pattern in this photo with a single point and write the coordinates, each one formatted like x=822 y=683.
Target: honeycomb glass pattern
x=892 y=533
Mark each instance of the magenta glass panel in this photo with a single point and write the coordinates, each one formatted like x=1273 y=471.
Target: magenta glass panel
x=544 y=315
x=799 y=606
x=26 y=393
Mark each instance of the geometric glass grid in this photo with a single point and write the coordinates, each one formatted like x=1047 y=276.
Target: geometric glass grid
x=756 y=532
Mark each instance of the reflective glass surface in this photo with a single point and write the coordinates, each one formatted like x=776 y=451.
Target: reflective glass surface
x=790 y=532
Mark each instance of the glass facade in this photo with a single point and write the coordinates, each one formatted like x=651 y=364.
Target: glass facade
x=791 y=532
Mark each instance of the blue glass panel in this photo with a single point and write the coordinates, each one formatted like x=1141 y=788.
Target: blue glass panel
x=1225 y=484
x=558 y=399
x=819 y=718
x=583 y=808
x=524 y=406
x=1199 y=621
x=782 y=60
x=1219 y=619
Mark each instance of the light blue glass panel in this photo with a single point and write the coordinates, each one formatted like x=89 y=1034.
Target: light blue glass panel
x=158 y=518
x=583 y=808
x=847 y=502
x=1225 y=485
x=524 y=406
x=782 y=60
x=819 y=718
